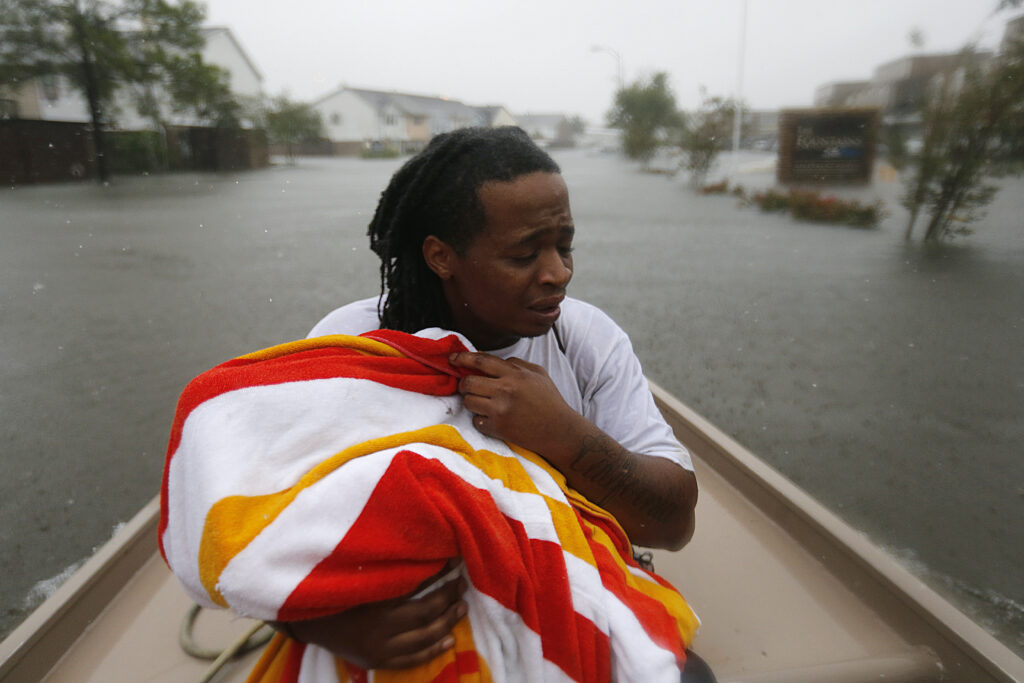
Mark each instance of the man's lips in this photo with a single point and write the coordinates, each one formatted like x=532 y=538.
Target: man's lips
x=548 y=305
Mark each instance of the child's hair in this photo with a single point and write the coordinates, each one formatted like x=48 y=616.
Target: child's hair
x=435 y=193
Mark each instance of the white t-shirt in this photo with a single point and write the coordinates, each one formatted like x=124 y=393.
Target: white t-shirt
x=598 y=374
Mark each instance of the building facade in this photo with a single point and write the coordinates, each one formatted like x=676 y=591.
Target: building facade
x=52 y=98
x=359 y=120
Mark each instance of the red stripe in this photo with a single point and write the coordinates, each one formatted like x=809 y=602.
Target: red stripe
x=320 y=363
x=659 y=625
x=292 y=666
x=428 y=513
x=467 y=663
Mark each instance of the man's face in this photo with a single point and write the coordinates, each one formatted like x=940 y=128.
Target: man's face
x=511 y=278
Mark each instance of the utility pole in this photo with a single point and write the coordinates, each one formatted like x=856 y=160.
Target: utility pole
x=737 y=118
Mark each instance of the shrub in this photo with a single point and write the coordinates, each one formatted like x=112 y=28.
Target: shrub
x=810 y=205
x=772 y=200
x=715 y=188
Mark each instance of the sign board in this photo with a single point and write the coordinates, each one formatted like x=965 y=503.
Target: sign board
x=827 y=145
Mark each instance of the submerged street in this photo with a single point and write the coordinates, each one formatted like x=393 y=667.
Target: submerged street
x=885 y=378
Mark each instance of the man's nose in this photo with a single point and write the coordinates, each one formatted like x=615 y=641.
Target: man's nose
x=556 y=269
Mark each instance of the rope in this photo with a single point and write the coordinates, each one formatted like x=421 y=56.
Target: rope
x=248 y=641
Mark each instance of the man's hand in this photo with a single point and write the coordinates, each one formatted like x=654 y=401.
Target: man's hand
x=513 y=400
x=652 y=498
x=393 y=634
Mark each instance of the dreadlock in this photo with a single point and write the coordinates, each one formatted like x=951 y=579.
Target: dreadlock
x=435 y=193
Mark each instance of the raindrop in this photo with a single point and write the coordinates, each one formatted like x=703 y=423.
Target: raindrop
x=271 y=299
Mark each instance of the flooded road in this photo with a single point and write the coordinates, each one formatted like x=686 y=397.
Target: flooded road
x=886 y=379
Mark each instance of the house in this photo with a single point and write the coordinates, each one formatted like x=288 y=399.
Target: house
x=46 y=136
x=358 y=120
x=494 y=116
x=551 y=130
x=52 y=98
x=897 y=88
x=837 y=93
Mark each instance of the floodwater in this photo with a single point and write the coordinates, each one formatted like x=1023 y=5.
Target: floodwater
x=885 y=379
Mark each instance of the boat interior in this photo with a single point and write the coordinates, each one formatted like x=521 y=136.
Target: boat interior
x=787 y=593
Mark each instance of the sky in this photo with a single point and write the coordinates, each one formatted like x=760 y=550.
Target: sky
x=544 y=56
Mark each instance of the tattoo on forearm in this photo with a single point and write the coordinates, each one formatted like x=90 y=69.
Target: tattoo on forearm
x=609 y=465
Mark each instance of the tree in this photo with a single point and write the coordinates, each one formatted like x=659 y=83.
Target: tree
x=971 y=121
x=707 y=133
x=102 y=47
x=289 y=123
x=646 y=112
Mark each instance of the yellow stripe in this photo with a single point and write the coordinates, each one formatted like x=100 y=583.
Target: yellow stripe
x=234 y=521
x=270 y=667
x=429 y=671
x=674 y=603
x=368 y=346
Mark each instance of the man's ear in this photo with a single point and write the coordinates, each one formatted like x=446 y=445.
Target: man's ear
x=439 y=256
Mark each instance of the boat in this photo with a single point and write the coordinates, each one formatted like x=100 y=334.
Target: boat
x=787 y=592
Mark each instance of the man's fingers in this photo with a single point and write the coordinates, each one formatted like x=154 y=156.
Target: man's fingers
x=484 y=362
x=448 y=566
x=424 y=655
x=422 y=644
x=477 y=385
x=411 y=615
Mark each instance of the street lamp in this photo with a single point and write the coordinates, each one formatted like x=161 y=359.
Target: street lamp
x=737 y=116
x=618 y=61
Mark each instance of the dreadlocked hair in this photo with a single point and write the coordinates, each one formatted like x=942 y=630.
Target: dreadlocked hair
x=435 y=193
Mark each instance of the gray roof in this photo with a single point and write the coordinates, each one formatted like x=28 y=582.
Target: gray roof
x=418 y=105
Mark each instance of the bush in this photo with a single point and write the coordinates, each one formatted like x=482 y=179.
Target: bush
x=772 y=201
x=715 y=188
x=140 y=151
x=810 y=205
x=379 y=153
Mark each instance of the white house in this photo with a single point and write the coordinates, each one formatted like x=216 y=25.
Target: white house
x=357 y=119
x=51 y=98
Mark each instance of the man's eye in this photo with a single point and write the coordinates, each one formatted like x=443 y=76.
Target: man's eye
x=524 y=258
x=566 y=251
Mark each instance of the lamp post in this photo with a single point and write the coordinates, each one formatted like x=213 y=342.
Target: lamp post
x=618 y=62
x=737 y=117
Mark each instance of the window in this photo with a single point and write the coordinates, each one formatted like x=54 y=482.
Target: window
x=51 y=88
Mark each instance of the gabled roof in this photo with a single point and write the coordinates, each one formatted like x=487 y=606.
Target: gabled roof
x=527 y=121
x=415 y=105
x=208 y=31
x=430 y=106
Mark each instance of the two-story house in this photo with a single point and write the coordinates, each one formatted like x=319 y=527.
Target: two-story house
x=358 y=120
x=52 y=98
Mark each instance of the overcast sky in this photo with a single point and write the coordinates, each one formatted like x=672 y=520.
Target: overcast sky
x=536 y=55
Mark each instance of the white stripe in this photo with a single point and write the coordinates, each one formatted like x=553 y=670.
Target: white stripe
x=258 y=580
x=317 y=666
x=512 y=650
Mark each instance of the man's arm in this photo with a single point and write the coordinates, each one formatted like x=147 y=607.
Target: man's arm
x=652 y=498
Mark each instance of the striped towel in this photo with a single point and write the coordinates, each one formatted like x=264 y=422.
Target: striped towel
x=318 y=475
